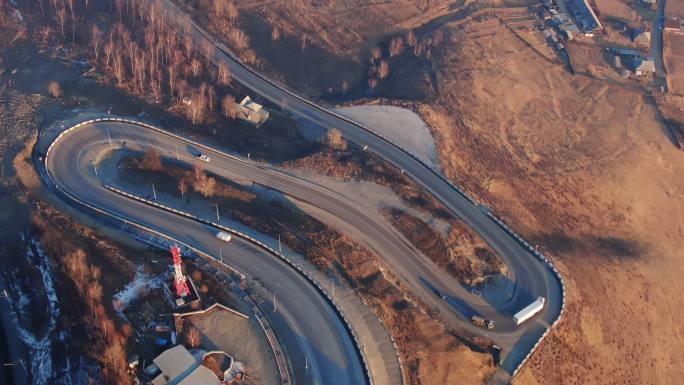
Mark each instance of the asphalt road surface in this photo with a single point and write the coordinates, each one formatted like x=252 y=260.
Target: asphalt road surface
x=657 y=42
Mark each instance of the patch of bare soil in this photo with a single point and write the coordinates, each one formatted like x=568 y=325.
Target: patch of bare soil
x=465 y=259
x=673 y=52
x=585 y=168
x=672 y=108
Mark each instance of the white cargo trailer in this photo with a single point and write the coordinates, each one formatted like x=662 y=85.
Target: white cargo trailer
x=529 y=310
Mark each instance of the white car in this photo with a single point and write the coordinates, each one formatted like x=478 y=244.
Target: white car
x=224 y=236
x=203 y=157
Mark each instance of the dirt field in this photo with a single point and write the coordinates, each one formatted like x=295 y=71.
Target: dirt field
x=674 y=8
x=617 y=9
x=225 y=331
x=674 y=61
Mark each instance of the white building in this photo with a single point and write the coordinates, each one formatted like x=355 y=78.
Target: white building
x=251 y=112
x=176 y=366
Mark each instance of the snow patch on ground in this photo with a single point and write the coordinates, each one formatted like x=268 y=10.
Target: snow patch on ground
x=134 y=289
x=399 y=125
x=40 y=346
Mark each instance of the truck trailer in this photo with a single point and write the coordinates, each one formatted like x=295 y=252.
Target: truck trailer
x=529 y=311
x=481 y=322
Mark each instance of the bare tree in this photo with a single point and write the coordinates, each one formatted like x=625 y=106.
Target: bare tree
x=182 y=185
x=396 y=46
x=151 y=160
x=228 y=106
x=376 y=53
x=187 y=40
x=54 y=89
x=197 y=107
x=205 y=185
x=372 y=83
x=95 y=40
x=411 y=39
x=212 y=364
x=437 y=37
x=232 y=12
x=208 y=48
x=211 y=98
x=383 y=69
x=239 y=39
x=61 y=16
x=275 y=33
x=193 y=337
x=196 y=67
x=335 y=140
x=224 y=76
x=219 y=6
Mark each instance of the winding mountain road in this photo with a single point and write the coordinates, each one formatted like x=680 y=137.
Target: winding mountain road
x=311 y=329
x=531 y=276
x=308 y=327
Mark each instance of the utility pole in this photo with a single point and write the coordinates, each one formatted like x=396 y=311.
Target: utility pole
x=110 y=139
x=221 y=254
x=94 y=168
x=306 y=364
x=154 y=192
x=218 y=219
x=275 y=307
x=177 y=155
x=280 y=246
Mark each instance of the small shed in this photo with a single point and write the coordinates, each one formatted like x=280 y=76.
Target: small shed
x=252 y=112
x=644 y=66
x=176 y=366
x=641 y=37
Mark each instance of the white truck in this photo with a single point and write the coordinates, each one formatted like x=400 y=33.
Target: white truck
x=529 y=311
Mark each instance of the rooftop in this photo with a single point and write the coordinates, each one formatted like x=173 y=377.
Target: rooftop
x=179 y=367
x=252 y=112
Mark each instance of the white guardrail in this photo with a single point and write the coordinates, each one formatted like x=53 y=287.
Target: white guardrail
x=550 y=265
x=321 y=289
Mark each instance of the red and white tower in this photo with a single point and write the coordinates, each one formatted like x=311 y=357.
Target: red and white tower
x=180 y=283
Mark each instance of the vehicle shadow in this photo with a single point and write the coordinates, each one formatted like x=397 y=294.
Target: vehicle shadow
x=504 y=295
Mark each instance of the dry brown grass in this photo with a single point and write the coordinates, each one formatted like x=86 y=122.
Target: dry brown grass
x=673 y=51
x=465 y=257
x=585 y=168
